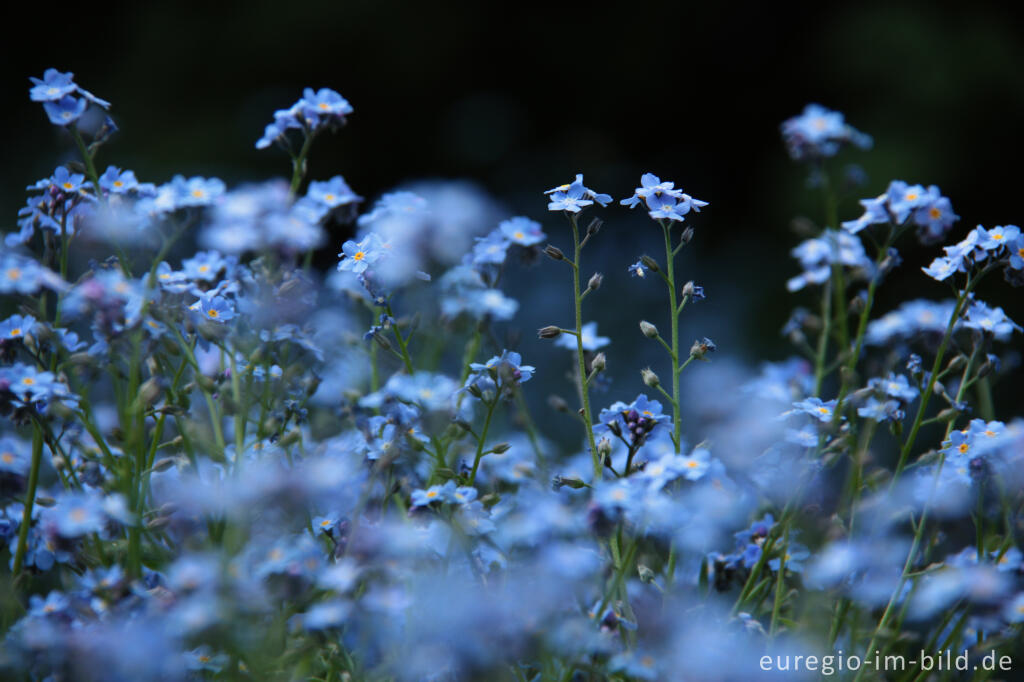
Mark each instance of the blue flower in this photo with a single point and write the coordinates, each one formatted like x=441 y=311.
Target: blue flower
x=896 y=386
x=880 y=411
x=992 y=320
x=574 y=197
x=66 y=110
x=435 y=493
x=795 y=553
x=16 y=326
x=490 y=250
x=638 y=269
x=213 y=307
x=14 y=456
x=197 y=191
x=19 y=274
x=941 y=269
x=116 y=181
x=324 y=104
x=53 y=86
x=822 y=411
x=332 y=193
x=819 y=132
x=591 y=341
x=522 y=231
x=817 y=256
x=357 y=256
x=205 y=266
x=76 y=515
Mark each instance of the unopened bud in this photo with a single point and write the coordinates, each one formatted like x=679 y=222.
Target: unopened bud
x=948 y=414
x=549 y=332
x=557 y=403
x=689 y=289
x=599 y=362
x=595 y=226
x=206 y=383
x=554 y=252
x=650 y=378
x=650 y=263
x=149 y=391
x=956 y=363
x=164 y=464
x=381 y=341
x=646 y=574
x=595 y=281
x=985 y=369
x=701 y=348
x=604 y=449
x=648 y=329
x=571 y=482
x=500 y=448
x=686 y=236
x=45 y=501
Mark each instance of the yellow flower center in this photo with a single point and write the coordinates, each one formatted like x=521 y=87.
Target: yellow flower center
x=212 y=313
x=118 y=183
x=329 y=197
x=204 y=268
x=359 y=255
x=67 y=186
x=77 y=514
x=198 y=193
x=911 y=196
x=28 y=381
x=324 y=106
x=16 y=331
x=963 y=448
x=823 y=410
x=518 y=234
x=7 y=458
x=15 y=273
x=431 y=494
x=935 y=213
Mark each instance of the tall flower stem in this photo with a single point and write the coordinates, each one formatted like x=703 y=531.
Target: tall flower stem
x=30 y=498
x=588 y=423
x=670 y=280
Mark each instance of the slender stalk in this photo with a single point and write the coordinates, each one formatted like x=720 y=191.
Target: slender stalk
x=30 y=498
x=482 y=439
x=299 y=164
x=670 y=276
x=90 y=166
x=580 y=358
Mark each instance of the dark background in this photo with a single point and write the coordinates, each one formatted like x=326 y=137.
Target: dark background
x=520 y=99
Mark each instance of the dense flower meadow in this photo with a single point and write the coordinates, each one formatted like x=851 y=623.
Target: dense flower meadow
x=231 y=465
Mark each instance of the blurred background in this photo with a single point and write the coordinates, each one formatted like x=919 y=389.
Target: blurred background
x=519 y=100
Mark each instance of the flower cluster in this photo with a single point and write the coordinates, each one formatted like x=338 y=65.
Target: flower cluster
x=216 y=462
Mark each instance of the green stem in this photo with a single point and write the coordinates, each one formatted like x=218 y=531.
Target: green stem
x=932 y=378
x=674 y=321
x=401 y=343
x=299 y=164
x=30 y=498
x=90 y=166
x=588 y=423
x=483 y=438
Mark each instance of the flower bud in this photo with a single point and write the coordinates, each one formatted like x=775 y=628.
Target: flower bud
x=557 y=403
x=500 y=448
x=648 y=329
x=595 y=281
x=650 y=378
x=595 y=226
x=701 y=348
x=599 y=362
x=604 y=449
x=574 y=483
x=549 y=332
x=650 y=263
x=554 y=252
x=686 y=236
